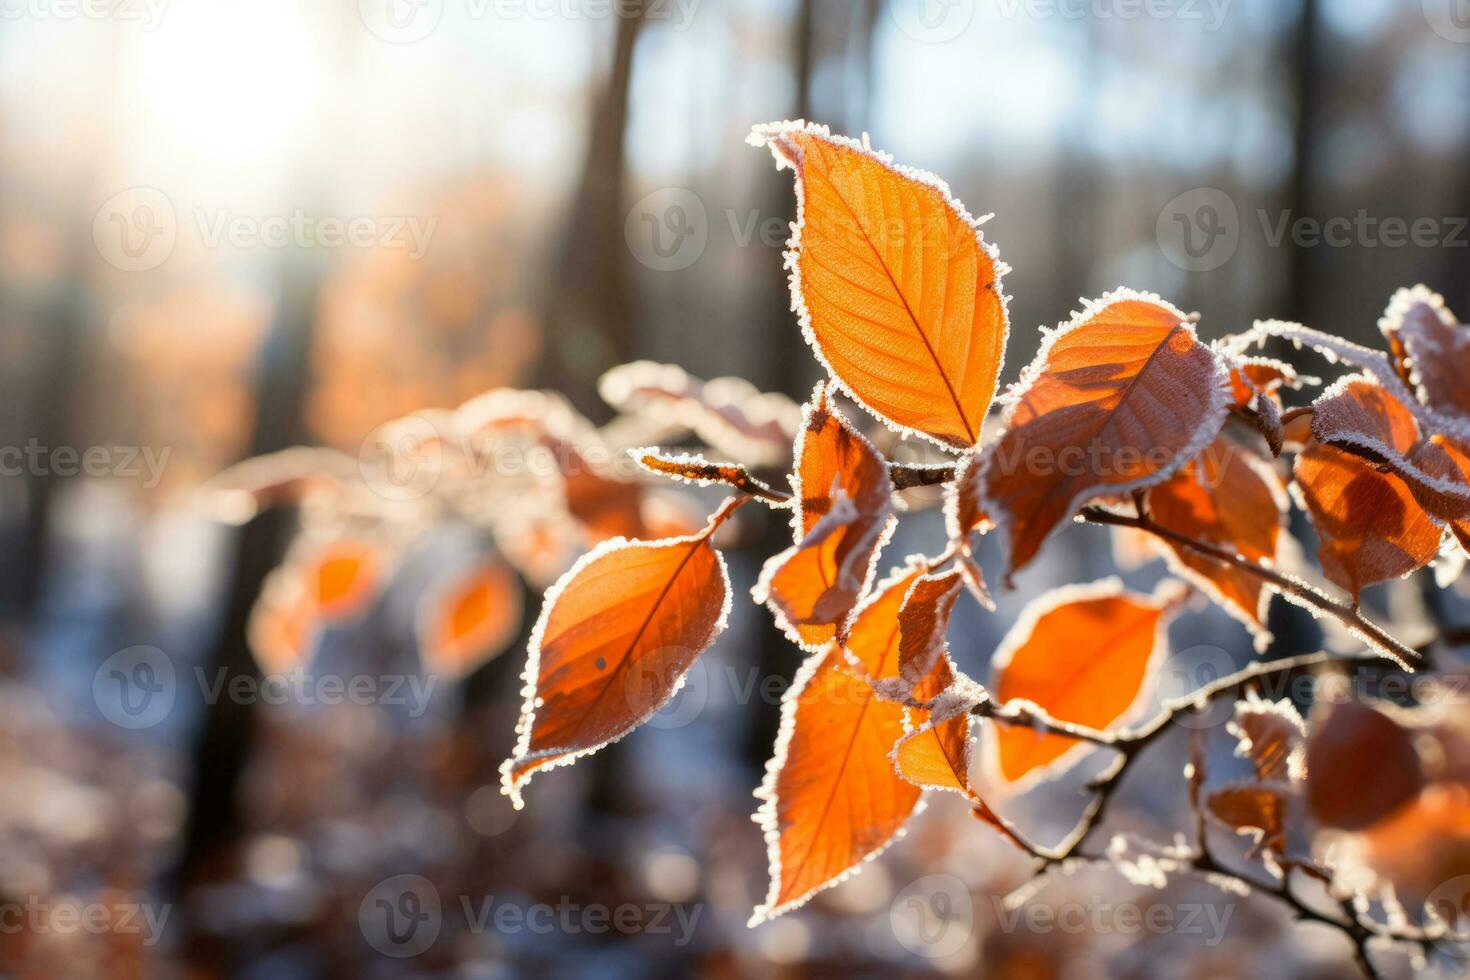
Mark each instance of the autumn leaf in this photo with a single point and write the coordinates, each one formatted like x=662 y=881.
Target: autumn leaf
x=1254 y=383
x=341 y=576
x=1361 y=417
x=615 y=638
x=843 y=513
x=729 y=414
x=1369 y=526
x=468 y=619
x=936 y=752
x=1361 y=765
x=1257 y=810
x=1272 y=735
x=1085 y=654
x=923 y=623
x=832 y=798
x=1117 y=400
x=694 y=468
x=1431 y=351
x=897 y=291
x=1232 y=498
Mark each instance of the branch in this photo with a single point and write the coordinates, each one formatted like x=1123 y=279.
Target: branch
x=1292 y=588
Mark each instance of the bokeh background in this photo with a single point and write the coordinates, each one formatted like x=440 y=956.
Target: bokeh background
x=232 y=226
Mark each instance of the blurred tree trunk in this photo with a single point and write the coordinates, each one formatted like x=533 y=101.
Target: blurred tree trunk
x=221 y=750
x=587 y=313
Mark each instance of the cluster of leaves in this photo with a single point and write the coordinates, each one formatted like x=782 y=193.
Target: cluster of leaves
x=1124 y=417
x=532 y=481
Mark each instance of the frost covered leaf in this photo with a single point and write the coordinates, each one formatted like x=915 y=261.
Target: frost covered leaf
x=1085 y=654
x=614 y=640
x=923 y=622
x=1361 y=765
x=843 y=513
x=693 y=468
x=1272 y=735
x=1117 y=400
x=897 y=291
x=1360 y=416
x=1254 y=809
x=729 y=414
x=286 y=477
x=936 y=753
x=1369 y=526
x=1431 y=350
x=469 y=619
x=1232 y=498
x=832 y=796
x=964 y=513
x=1254 y=382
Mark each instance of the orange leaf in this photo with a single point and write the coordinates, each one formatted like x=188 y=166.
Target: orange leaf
x=1361 y=417
x=616 y=635
x=1117 y=400
x=1431 y=350
x=832 y=796
x=1230 y=497
x=1361 y=766
x=469 y=619
x=964 y=512
x=897 y=290
x=843 y=514
x=341 y=576
x=1254 y=382
x=936 y=753
x=1085 y=654
x=923 y=623
x=1369 y=526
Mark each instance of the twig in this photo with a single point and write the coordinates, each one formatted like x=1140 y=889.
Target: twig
x=1291 y=587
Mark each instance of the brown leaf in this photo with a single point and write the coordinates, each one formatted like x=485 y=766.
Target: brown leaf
x=832 y=796
x=1272 y=735
x=1117 y=400
x=843 y=513
x=1254 y=809
x=1431 y=351
x=1369 y=526
x=1361 y=765
x=614 y=640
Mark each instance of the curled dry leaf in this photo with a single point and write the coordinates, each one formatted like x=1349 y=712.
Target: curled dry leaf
x=843 y=513
x=1272 y=735
x=1229 y=497
x=469 y=619
x=832 y=798
x=936 y=752
x=897 y=290
x=1254 y=382
x=614 y=640
x=923 y=623
x=1431 y=351
x=1085 y=654
x=729 y=414
x=695 y=469
x=1360 y=416
x=1369 y=526
x=1117 y=400
x=1361 y=765
x=1257 y=810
